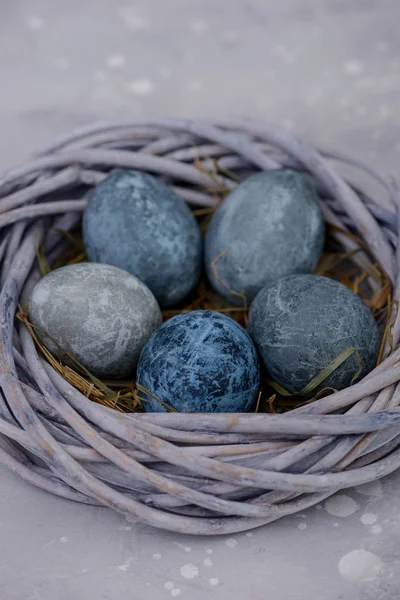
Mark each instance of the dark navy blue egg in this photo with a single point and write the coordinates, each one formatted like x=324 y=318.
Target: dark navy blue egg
x=137 y=223
x=199 y=361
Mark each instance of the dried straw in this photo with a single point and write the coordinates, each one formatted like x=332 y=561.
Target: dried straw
x=199 y=474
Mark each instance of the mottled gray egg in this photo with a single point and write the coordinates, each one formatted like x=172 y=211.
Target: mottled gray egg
x=302 y=323
x=270 y=226
x=99 y=313
x=136 y=222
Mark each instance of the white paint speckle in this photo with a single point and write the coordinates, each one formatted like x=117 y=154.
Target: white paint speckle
x=169 y=585
x=125 y=566
x=116 y=61
x=302 y=526
x=261 y=104
x=165 y=71
x=199 y=27
x=229 y=38
x=384 y=111
x=360 y=565
x=231 y=543
x=315 y=94
x=376 y=529
x=279 y=49
x=288 y=124
x=310 y=101
x=289 y=58
x=341 y=505
x=35 y=23
x=318 y=507
x=209 y=550
x=41 y=295
x=361 y=110
x=157 y=556
x=353 y=67
x=63 y=540
x=381 y=46
x=187 y=57
x=132 y=19
x=99 y=75
x=183 y=547
x=284 y=53
x=195 y=86
x=189 y=571
x=176 y=592
x=140 y=87
x=249 y=534
x=207 y=562
x=214 y=581
x=62 y=63
x=368 y=519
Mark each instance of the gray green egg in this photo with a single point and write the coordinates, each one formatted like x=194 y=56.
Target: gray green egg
x=270 y=226
x=99 y=313
x=302 y=323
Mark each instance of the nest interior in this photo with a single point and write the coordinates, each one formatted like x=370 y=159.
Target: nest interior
x=192 y=473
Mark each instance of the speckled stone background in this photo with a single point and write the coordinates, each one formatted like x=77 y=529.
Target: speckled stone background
x=327 y=69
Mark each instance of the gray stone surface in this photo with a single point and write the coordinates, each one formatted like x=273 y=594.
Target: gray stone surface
x=269 y=227
x=328 y=70
x=302 y=323
x=135 y=222
x=101 y=315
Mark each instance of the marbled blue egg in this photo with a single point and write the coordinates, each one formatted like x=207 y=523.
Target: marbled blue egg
x=199 y=361
x=301 y=323
x=100 y=314
x=270 y=226
x=135 y=222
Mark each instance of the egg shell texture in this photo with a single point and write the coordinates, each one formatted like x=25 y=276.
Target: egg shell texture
x=200 y=361
x=301 y=323
x=270 y=226
x=99 y=313
x=136 y=222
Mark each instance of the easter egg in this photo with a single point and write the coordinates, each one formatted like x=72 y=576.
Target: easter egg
x=302 y=323
x=100 y=314
x=270 y=226
x=135 y=222
x=199 y=361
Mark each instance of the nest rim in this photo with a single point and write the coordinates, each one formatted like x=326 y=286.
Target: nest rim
x=189 y=473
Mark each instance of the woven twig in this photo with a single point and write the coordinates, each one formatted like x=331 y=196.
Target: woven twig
x=191 y=473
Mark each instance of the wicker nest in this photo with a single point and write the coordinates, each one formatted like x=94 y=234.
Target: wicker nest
x=190 y=473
